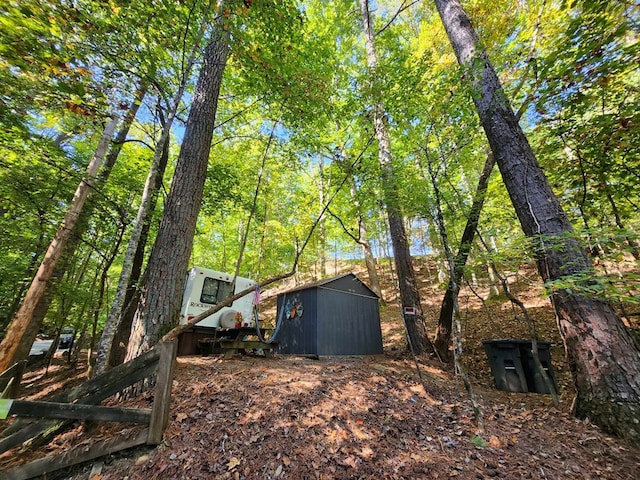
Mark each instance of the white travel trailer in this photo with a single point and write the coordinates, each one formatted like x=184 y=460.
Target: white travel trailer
x=206 y=288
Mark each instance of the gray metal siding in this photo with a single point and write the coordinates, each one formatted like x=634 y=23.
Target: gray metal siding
x=348 y=324
x=298 y=334
x=340 y=317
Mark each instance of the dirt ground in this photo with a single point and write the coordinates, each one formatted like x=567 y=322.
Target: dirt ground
x=381 y=417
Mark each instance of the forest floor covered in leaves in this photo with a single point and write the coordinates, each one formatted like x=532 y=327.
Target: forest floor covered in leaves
x=380 y=417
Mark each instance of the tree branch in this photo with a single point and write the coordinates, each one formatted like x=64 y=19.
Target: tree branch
x=172 y=334
x=344 y=227
x=402 y=8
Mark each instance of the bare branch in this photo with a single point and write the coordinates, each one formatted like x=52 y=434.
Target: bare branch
x=344 y=227
x=299 y=250
x=402 y=8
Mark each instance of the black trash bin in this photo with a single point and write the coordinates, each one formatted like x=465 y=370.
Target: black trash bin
x=506 y=365
x=513 y=367
x=535 y=381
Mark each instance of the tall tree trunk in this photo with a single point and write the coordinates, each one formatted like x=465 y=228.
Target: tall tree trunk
x=80 y=227
x=604 y=361
x=22 y=331
x=409 y=294
x=322 y=227
x=122 y=333
x=166 y=273
x=133 y=256
x=148 y=196
x=445 y=320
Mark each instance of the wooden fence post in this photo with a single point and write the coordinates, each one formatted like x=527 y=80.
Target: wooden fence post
x=162 y=396
x=10 y=380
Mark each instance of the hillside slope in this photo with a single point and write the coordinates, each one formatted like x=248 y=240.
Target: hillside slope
x=386 y=416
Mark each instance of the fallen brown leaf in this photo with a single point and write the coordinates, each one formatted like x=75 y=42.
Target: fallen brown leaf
x=495 y=442
x=233 y=463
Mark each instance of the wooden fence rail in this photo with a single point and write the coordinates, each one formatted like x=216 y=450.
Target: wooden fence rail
x=82 y=403
x=10 y=380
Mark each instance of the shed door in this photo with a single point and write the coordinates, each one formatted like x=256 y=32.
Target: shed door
x=297 y=334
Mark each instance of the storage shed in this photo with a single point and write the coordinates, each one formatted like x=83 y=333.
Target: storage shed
x=336 y=316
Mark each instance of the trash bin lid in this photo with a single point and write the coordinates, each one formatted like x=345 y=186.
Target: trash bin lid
x=512 y=342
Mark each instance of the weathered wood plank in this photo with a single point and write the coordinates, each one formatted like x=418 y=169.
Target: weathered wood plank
x=119 y=385
x=47 y=427
x=78 y=411
x=74 y=456
x=245 y=344
x=116 y=374
x=162 y=396
x=101 y=387
x=10 y=380
x=11 y=371
x=27 y=432
x=21 y=430
x=99 y=393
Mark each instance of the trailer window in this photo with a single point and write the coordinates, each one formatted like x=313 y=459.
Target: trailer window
x=214 y=290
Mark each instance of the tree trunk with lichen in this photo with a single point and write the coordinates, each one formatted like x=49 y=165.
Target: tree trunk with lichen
x=602 y=356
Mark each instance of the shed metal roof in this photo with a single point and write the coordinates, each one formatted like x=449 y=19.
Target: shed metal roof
x=325 y=282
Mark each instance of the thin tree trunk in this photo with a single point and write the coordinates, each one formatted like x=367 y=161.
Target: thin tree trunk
x=148 y=194
x=369 y=259
x=494 y=291
x=322 y=233
x=634 y=248
x=593 y=248
x=121 y=337
x=76 y=348
x=104 y=276
x=362 y=237
x=254 y=205
x=445 y=320
x=22 y=331
x=443 y=333
x=79 y=229
x=384 y=245
x=604 y=361
x=160 y=299
x=67 y=300
x=409 y=293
